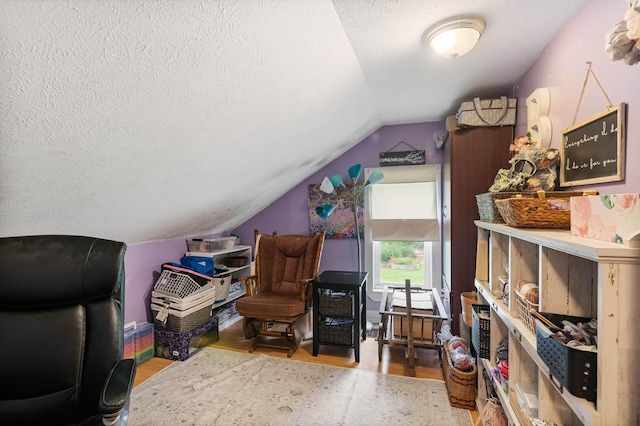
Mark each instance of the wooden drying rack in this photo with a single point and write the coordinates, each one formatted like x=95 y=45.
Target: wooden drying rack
x=394 y=319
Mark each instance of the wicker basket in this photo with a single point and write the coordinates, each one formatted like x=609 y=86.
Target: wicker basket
x=467 y=299
x=336 y=331
x=546 y=210
x=487 y=205
x=541 y=212
x=461 y=385
x=182 y=322
x=336 y=304
x=524 y=311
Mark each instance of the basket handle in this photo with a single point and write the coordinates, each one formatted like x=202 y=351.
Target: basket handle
x=503 y=112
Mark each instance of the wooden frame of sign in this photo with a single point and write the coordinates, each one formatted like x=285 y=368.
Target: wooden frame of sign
x=593 y=150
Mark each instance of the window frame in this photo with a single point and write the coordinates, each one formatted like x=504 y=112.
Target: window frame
x=374 y=286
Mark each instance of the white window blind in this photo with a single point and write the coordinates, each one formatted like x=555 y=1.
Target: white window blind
x=404 y=207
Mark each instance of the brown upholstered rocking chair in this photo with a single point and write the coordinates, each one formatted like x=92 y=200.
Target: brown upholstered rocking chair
x=279 y=293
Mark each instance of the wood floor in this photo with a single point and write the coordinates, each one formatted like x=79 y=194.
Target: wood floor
x=427 y=364
x=393 y=357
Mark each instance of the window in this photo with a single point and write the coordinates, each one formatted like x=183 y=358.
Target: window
x=402 y=227
x=396 y=261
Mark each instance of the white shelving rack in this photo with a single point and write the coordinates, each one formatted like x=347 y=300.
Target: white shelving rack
x=218 y=258
x=577 y=277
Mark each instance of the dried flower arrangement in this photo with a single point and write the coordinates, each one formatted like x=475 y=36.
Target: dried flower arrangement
x=521 y=142
x=623 y=40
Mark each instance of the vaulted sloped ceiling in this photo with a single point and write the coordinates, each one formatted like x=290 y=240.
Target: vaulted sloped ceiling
x=151 y=119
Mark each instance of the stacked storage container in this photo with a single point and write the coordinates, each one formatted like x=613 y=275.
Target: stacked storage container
x=182 y=299
x=138 y=341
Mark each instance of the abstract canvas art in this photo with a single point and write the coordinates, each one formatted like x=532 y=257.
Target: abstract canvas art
x=341 y=223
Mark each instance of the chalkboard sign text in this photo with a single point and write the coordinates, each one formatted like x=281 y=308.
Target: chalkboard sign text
x=593 y=151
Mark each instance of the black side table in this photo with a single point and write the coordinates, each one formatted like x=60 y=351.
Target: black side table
x=339 y=310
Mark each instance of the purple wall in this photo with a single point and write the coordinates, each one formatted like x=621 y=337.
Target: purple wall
x=142 y=268
x=562 y=68
x=287 y=215
x=290 y=213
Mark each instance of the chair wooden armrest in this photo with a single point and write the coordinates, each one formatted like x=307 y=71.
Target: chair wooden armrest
x=251 y=282
x=306 y=290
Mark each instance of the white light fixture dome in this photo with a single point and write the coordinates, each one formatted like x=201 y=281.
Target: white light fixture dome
x=456 y=37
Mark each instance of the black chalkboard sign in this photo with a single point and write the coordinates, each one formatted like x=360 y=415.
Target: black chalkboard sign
x=402 y=158
x=593 y=151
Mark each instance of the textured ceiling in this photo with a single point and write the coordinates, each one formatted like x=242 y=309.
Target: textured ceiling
x=145 y=120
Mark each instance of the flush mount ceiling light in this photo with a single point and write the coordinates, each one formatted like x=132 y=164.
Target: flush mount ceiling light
x=456 y=37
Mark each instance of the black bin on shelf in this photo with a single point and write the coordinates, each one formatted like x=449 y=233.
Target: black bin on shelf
x=336 y=309
x=336 y=331
x=336 y=303
x=574 y=369
x=480 y=331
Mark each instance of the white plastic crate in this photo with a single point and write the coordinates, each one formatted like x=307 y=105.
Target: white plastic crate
x=182 y=304
x=180 y=286
x=182 y=313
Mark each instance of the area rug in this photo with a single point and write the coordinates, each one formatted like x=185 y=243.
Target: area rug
x=219 y=387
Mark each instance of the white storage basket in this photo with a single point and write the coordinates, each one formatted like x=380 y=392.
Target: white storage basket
x=167 y=318
x=221 y=285
x=179 y=302
x=181 y=286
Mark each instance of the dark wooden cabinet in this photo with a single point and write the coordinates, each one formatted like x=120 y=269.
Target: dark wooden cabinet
x=472 y=157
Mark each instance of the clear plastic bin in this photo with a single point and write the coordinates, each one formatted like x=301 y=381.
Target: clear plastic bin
x=211 y=244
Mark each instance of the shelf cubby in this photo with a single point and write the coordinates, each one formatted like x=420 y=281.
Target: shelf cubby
x=577 y=277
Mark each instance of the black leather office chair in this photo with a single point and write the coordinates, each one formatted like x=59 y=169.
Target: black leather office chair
x=61 y=331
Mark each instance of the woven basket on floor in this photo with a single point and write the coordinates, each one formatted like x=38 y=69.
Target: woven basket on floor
x=461 y=385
